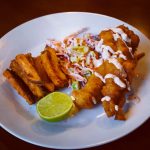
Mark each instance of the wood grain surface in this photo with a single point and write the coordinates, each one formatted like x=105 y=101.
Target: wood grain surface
x=134 y=12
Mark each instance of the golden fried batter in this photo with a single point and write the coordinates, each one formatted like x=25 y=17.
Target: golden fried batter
x=90 y=94
x=116 y=93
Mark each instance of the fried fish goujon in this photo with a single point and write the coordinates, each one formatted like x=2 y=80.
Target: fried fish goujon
x=128 y=62
x=90 y=94
x=118 y=59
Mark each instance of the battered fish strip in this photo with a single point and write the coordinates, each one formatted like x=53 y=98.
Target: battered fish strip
x=46 y=82
x=36 y=89
x=114 y=105
x=134 y=38
x=47 y=64
x=90 y=94
x=54 y=62
x=20 y=86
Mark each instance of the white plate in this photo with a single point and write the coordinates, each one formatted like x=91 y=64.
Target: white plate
x=90 y=127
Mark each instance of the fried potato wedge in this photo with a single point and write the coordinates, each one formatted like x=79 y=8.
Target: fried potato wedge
x=36 y=89
x=25 y=63
x=19 y=86
x=44 y=77
x=47 y=64
x=54 y=62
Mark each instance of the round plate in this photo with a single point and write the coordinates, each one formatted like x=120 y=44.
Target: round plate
x=89 y=127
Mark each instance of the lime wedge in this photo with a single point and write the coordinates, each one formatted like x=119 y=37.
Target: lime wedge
x=54 y=107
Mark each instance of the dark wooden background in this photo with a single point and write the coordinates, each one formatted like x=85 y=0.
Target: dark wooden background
x=134 y=12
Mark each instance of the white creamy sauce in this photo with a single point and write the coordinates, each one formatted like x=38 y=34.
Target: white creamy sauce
x=116 y=63
x=105 y=54
x=116 y=36
x=120 y=55
x=106 y=98
x=128 y=85
x=78 y=77
x=108 y=48
x=94 y=100
x=130 y=50
x=116 y=80
x=122 y=34
x=104 y=50
x=73 y=98
x=98 y=45
x=99 y=76
x=97 y=62
x=116 y=107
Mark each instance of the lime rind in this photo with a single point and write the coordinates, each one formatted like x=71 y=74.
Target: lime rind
x=48 y=100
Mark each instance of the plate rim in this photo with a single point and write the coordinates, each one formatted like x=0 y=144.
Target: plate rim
x=12 y=132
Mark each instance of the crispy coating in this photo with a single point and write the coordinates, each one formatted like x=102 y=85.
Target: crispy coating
x=107 y=36
x=36 y=89
x=116 y=93
x=111 y=89
x=50 y=70
x=19 y=85
x=109 y=107
x=85 y=97
x=54 y=62
x=27 y=67
x=134 y=38
x=74 y=110
x=40 y=75
x=123 y=48
x=120 y=115
x=94 y=86
x=40 y=69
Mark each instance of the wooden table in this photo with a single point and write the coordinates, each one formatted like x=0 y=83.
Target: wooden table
x=134 y=12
